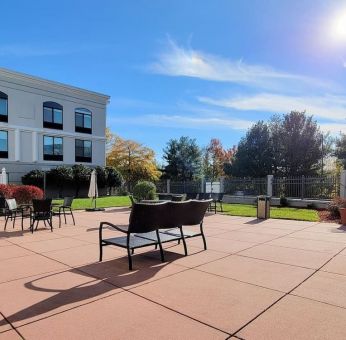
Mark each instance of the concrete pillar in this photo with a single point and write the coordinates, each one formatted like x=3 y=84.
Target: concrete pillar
x=34 y=146
x=168 y=186
x=343 y=184
x=16 y=145
x=270 y=179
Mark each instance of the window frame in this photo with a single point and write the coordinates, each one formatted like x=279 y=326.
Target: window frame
x=84 y=159
x=4 y=154
x=4 y=117
x=84 y=112
x=53 y=157
x=53 y=125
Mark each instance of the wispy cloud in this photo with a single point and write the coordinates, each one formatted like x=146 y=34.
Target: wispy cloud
x=333 y=128
x=183 y=121
x=328 y=106
x=179 y=61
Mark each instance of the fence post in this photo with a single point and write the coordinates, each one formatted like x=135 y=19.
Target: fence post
x=168 y=186
x=302 y=191
x=343 y=184
x=202 y=184
x=222 y=184
x=270 y=179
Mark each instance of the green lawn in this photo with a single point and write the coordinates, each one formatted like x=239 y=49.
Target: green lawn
x=229 y=209
x=275 y=212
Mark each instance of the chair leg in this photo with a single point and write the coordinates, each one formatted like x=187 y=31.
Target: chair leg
x=51 y=223
x=22 y=222
x=14 y=219
x=183 y=239
x=37 y=224
x=128 y=251
x=101 y=251
x=203 y=237
x=59 y=219
x=72 y=217
x=64 y=215
x=45 y=225
x=6 y=220
x=160 y=246
x=132 y=251
x=221 y=207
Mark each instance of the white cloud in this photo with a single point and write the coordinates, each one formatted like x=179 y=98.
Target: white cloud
x=335 y=129
x=328 y=106
x=179 y=61
x=180 y=121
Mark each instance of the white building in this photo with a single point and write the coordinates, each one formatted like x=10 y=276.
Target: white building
x=44 y=124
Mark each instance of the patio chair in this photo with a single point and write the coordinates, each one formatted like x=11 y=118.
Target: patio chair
x=217 y=199
x=177 y=198
x=12 y=210
x=42 y=211
x=144 y=218
x=188 y=213
x=65 y=209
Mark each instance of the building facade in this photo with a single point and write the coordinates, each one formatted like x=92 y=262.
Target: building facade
x=44 y=124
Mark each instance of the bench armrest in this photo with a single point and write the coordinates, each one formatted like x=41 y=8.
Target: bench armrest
x=111 y=225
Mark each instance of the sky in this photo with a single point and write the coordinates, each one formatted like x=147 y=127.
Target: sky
x=203 y=69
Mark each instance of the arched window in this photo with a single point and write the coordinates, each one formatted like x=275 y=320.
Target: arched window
x=52 y=115
x=83 y=120
x=3 y=107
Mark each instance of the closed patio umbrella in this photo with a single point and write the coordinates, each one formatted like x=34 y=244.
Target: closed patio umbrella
x=93 y=191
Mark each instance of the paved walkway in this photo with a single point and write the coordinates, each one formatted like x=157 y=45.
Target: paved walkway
x=274 y=279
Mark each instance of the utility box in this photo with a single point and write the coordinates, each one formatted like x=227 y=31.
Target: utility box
x=263 y=207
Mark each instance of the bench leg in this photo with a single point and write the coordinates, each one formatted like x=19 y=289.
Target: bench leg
x=183 y=239
x=203 y=237
x=160 y=246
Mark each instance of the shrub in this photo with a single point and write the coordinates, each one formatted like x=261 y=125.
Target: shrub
x=334 y=205
x=114 y=178
x=101 y=176
x=283 y=201
x=60 y=176
x=81 y=176
x=34 y=177
x=26 y=193
x=6 y=190
x=144 y=190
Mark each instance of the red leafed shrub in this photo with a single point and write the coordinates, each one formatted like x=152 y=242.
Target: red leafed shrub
x=6 y=190
x=26 y=193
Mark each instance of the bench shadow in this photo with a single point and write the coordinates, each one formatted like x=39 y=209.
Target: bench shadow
x=255 y=221
x=106 y=277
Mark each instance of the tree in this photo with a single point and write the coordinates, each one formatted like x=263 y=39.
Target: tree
x=81 y=176
x=134 y=161
x=340 y=150
x=60 y=176
x=300 y=145
x=253 y=157
x=34 y=177
x=214 y=159
x=114 y=178
x=183 y=157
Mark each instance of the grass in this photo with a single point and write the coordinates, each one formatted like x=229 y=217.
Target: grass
x=229 y=209
x=275 y=212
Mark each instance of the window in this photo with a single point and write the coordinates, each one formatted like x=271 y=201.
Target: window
x=3 y=107
x=52 y=148
x=83 y=150
x=83 y=120
x=52 y=115
x=3 y=144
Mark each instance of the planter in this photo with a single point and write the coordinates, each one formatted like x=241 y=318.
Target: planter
x=343 y=215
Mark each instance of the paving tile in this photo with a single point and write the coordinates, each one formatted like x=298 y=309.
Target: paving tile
x=4 y=325
x=268 y=231
x=336 y=265
x=222 y=303
x=221 y=245
x=19 y=267
x=267 y=274
x=145 y=269
x=122 y=316
x=321 y=236
x=298 y=318
x=85 y=254
x=11 y=251
x=324 y=287
x=238 y=235
x=10 y=335
x=196 y=256
x=4 y=242
x=39 y=235
x=297 y=257
x=285 y=224
x=55 y=244
x=47 y=294
x=305 y=244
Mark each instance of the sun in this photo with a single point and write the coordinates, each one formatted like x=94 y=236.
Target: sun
x=338 y=27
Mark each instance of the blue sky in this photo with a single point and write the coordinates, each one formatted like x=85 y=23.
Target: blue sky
x=204 y=69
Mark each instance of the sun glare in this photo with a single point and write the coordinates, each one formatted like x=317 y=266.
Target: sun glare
x=338 y=27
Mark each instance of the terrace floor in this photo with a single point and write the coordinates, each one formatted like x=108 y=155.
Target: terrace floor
x=274 y=279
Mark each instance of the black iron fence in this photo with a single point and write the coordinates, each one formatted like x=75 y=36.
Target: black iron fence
x=325 y=187
x=245 y=186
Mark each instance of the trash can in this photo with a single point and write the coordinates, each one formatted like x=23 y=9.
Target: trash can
x=263 y=207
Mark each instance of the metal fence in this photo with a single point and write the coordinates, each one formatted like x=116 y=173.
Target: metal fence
x=325 y=187
x=245 y=186
x=179 y=187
